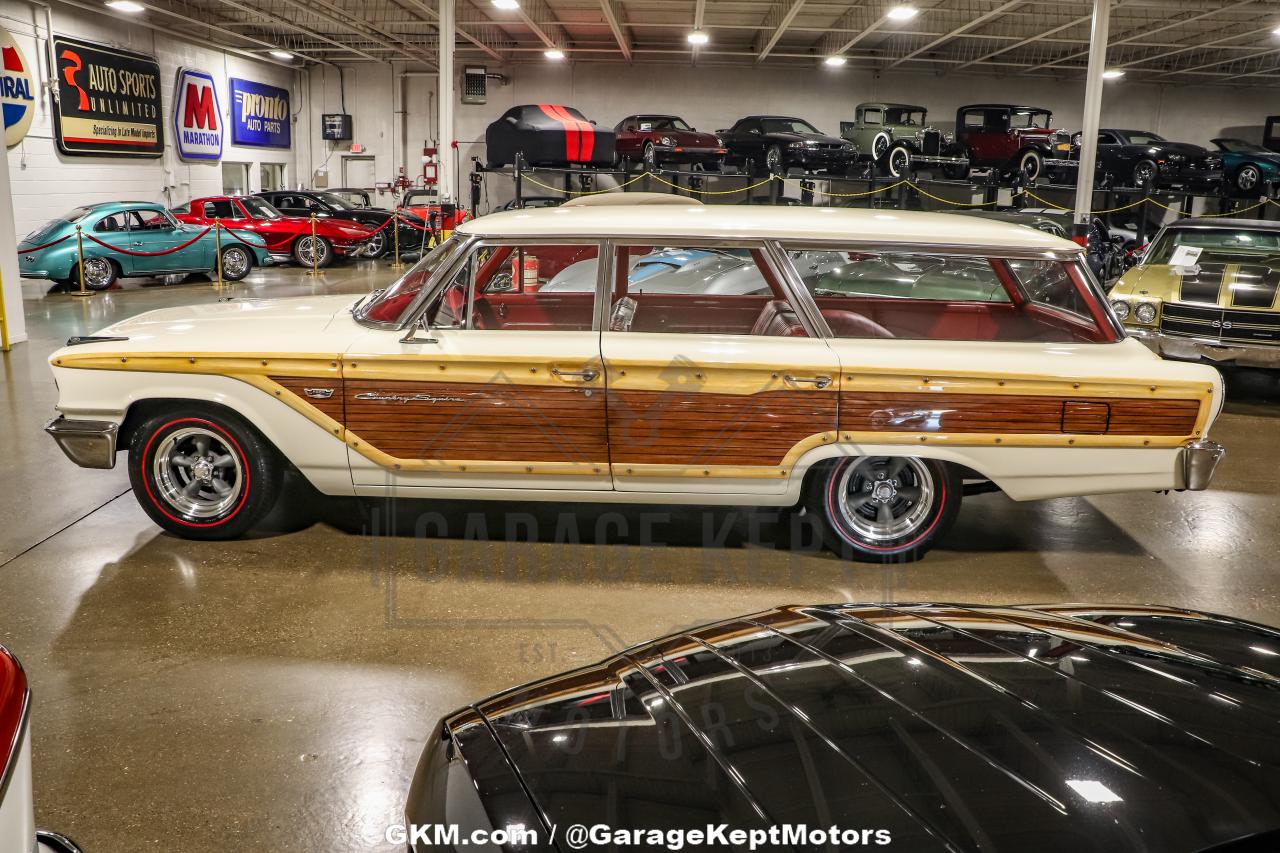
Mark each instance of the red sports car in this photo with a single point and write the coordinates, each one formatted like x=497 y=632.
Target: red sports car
x=287 y=236
x=657 y=139
x=426 y=204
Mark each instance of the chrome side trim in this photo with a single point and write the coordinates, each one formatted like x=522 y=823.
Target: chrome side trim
x=1210 y=349
x=1199 y=460
x=89 y=444
x=53 y=842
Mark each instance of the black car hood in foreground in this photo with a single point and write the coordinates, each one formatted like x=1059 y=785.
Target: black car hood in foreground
x=1062 y=728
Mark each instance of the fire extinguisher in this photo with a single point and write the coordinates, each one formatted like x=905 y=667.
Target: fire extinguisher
x=524 y=271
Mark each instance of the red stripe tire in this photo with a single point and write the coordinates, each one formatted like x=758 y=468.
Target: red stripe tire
x=201 y=473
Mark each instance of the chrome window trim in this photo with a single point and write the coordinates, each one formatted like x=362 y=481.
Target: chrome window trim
x=24 y=724
x=789 y=244
x=411 y=314
x=765 y=245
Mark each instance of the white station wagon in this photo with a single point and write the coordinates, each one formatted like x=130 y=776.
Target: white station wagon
x=870 y=367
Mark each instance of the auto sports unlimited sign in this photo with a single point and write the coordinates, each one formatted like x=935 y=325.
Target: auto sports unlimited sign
x=108 y=101
x=259 y=115
x=15 y=91
x=197 y=117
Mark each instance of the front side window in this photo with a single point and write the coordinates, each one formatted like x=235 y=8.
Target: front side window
x=1024 y=118
x=1145 y=139
x=393 y=304
x=690 y=289
x=787 y=125
x=906 y=117
x=923 y=296
x=510 y=287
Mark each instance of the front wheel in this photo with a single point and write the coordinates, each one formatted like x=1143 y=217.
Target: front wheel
x=884 y=509
x=650 y=157
x=1144 y=173
x=99 y=274
x=236 y=263
x=203 y=474
x=1030 y=165
x=377 y=245
x=773 y=160
x=305 y=247
x=898 y=161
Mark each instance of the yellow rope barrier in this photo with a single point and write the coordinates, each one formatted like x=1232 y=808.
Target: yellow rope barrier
x=538 y=183
x=1211 y=215
x=864 y=194
x=949 y=201
x=662 y=180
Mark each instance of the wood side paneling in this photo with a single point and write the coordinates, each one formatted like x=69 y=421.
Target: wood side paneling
x=331 y=407
x=484 y=421
x=672 y=428
x=1013 y=414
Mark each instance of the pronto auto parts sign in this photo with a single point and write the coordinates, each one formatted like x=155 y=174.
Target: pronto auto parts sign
x=108 y=101
x=197 y=117
x=259 y=115
x=15 y=91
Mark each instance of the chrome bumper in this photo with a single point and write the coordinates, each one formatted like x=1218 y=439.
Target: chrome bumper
x=89 y=444
x=1193 y=349
x=52 y=842
x=1199 y=460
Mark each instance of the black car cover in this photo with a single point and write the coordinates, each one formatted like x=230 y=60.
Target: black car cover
x=548 y=135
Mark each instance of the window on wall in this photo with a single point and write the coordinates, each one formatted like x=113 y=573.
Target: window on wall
x=271 y=176
x=235 y=178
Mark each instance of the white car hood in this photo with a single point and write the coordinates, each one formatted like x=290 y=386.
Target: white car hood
x=295 y=325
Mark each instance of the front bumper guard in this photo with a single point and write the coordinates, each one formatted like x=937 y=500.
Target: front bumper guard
x=52 y=842
x=89 y=444
x=1199 y=460
x=939 y=159
x=1189 y=348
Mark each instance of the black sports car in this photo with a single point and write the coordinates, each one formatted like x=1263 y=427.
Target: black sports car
x=928 y=726
x=328 y=204
x=1139 y=158
x=776 y=143
x=547 y=135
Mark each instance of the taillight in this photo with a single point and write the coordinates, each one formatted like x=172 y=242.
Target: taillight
x=13 y=709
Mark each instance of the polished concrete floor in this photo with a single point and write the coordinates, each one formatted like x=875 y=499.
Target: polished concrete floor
x=273 y=693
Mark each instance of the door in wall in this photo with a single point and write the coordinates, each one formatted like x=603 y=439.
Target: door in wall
x=235 y=178
x=271 y=176
x=359 y=172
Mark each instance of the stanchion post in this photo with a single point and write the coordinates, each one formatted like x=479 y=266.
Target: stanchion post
x=83 y=291
x=217 y=242
x=314 y=272
x=518 y=168
x=395 y=226
x=476 y=177
x=806 y=192
x=4 y=321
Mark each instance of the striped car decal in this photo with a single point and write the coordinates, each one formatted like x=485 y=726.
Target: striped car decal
x=579 y=135
x=1252 y=286
x=1204 y=285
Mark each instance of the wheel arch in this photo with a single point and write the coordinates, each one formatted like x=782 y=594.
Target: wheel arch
x=817 y=461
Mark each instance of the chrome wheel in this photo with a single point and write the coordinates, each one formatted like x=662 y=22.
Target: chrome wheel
x=377 y=244
x=98 y=273
x=1144 y=173
x=884 y=498
x=1247 y=178
x=235 y=262
x=311 y=251
x=773 y=159
x=197 y=473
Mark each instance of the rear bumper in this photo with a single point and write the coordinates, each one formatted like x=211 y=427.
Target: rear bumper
x=1199 y=460
x=89 y=444
x=1194 y=349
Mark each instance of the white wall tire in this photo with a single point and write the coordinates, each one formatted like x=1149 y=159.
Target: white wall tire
x=883 y=509
x=898 y=161
x=1031 y=165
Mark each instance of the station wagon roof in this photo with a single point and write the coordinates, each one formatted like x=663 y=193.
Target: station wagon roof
x=699 y=221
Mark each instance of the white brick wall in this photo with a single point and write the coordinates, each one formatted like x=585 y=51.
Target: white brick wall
x=47 y=183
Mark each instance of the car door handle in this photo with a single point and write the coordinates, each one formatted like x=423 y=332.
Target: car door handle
x=587 y=374
x=819 y=382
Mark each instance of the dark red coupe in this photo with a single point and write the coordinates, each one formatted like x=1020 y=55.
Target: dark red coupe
x=657 y=139
x=287 y=236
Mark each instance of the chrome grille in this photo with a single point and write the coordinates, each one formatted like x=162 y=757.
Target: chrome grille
x=1227 y=325
x=931 y=142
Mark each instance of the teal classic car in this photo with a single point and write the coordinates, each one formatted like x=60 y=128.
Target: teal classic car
x=123 y=239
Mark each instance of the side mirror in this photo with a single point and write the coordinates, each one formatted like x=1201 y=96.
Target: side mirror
x=500 y=283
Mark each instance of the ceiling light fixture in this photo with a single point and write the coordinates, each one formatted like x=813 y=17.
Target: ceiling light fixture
x=698 y=37
x=282 y=54
x=506 y=4
x=902 y=13
x=1112 y=74
x=127 y=6
x=835 y=61
x=553 y=53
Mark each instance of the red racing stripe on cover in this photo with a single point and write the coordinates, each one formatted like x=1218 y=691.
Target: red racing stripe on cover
x=571 y=142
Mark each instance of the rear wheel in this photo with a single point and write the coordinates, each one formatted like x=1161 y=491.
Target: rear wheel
x=236 y=263
x=201 y=473
x=306 y=246
x=884 y=509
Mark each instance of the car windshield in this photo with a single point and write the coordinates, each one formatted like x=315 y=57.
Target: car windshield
x=389 y=306
x=1218 y=246
x=356 y=197
x=904 y=117
x=1239 y=146
x=1030 y=118
x=1145 y=139
x=336 y=201
x=787 y=125
x=259 y=209
x=661 y=123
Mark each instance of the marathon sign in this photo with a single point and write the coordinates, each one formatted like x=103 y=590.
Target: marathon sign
x=197 y=116
x=259 y=115
x=107 y=101
x=15 y=91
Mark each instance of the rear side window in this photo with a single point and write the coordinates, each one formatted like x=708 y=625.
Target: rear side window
x=219 y=210
x=920 y=296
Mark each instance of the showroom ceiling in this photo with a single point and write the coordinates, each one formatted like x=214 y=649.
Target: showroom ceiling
x=1164 y=40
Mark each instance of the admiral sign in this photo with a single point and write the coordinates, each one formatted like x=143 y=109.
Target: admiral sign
x=197 y=116
x=15 y=91
x=259 y=114
x=108 y=101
